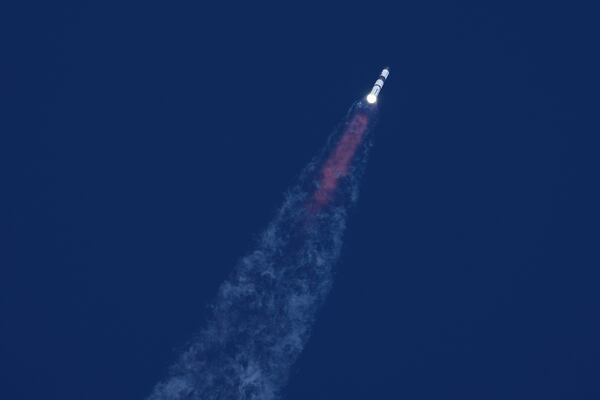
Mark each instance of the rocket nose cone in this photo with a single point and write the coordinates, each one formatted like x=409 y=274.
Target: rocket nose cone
x=385 y=73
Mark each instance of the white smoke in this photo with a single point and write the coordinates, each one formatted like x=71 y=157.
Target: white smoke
x=262 y=315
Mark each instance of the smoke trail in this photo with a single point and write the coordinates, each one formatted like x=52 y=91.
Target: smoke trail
x=263 y=313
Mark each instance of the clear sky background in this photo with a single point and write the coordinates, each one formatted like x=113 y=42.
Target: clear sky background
x=147 y=143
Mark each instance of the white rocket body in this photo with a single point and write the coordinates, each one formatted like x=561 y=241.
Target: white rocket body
x=372 y=97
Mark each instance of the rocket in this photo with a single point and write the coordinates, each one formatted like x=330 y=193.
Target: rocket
x=372 y=97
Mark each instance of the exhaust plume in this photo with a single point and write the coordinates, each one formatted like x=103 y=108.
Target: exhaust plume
x=263 y=314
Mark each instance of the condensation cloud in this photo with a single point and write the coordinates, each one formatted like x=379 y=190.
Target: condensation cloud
x=262 y=315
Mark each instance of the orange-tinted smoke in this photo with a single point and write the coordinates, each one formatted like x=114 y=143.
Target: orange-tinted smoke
x=336 y=166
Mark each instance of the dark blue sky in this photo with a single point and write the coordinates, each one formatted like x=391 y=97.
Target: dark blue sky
x=148 y=143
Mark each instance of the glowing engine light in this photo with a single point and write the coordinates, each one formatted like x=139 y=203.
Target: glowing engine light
x=371 y=98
